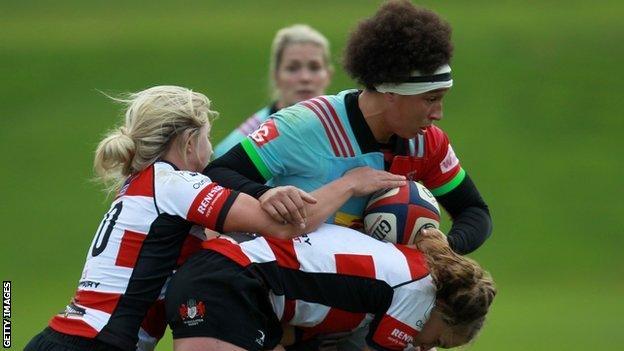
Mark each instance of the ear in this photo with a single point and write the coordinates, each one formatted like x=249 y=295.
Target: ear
x=190 y=146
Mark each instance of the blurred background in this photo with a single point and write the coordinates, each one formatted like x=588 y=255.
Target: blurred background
x=533 y=116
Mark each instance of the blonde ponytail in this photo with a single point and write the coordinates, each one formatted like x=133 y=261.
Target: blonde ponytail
x=113 y=155
x=153 y=118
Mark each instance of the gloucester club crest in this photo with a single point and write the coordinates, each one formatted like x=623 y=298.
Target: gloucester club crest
x=192 y=313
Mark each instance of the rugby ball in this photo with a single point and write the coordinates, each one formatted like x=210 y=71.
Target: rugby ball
x=397 y=215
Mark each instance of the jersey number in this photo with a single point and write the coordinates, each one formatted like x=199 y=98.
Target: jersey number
x=111 y=217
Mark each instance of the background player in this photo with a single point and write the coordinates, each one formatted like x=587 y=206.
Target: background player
x=234 y=296
x=401 y=56
x=300 y=69
x=152 y=162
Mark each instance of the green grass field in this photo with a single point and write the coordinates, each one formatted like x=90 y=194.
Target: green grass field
x=533 y=116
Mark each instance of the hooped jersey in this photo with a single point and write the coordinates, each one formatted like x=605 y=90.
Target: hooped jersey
x=313 y=143
x=252 y=123
x=336 y=280
x=139 y=243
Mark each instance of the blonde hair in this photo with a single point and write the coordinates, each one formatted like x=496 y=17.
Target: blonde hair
x=295 y=34
x=463 y=289
x=153 y=118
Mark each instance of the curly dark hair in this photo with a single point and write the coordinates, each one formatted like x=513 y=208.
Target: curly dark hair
x=398 y=39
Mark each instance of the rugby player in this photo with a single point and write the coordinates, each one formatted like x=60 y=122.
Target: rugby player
x=300 y=69
x=238 y=296
x=157 y=218
x=401 y=56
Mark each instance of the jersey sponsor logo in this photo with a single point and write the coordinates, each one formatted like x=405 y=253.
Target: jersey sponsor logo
x=192 y=313
x=449 y=161
x=199 y=184
x=265 y=133
x=392 y=332
x=88 y=284
x=401 y=335
x=205 y=206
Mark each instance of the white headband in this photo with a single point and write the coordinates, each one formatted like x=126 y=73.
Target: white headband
x=418 y=83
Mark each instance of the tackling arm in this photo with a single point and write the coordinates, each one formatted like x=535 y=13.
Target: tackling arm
x=235 y=170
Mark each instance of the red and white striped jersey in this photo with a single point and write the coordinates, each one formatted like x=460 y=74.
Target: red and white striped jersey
x=336 y=279
x=136 y=248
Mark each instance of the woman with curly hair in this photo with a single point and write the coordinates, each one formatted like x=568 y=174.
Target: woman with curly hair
x=401 y=56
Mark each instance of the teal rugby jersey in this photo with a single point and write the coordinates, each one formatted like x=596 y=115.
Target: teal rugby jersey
x=313 y=143
x=243 y=130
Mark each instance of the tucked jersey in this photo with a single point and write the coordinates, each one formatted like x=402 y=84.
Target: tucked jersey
x=336 y=280
x=139 y=243
x=246 y=128
x=314 y=142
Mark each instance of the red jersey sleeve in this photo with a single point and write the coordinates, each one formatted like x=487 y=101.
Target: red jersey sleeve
x=193 y=197
x=409 y=311
x=391 y=334
x=443 y=171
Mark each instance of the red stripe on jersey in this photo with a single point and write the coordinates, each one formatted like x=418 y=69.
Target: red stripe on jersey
x=142 y=184
x=356 y=265
x=332 y=124
x=229 y=249
x=436 y=148
x=335 y=321
x=284 y=251
x=324 y=123
x=415 y=212
x=101 y=301
x=415 y=261
x=339 y=123
x=191 y=245
x=155 y=321
x=129 y=249
x=393 y=334
x=402 y=197
x=72 y=326
x=207 y=205
x=289 y=310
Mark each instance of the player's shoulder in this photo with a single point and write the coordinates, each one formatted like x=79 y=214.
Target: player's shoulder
x=166 y=175
x=437 y=141
x=436 y=134
x=300 y=118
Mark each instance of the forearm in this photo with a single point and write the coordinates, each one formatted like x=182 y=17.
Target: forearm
x=472 y=223
x=330 y=198
x=470 y=230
